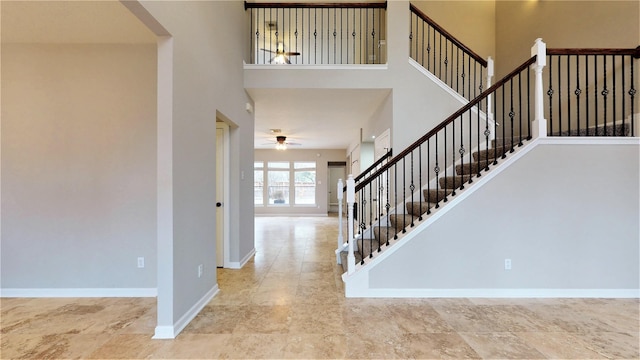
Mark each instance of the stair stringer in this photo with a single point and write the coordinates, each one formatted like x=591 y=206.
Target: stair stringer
x=357 y=284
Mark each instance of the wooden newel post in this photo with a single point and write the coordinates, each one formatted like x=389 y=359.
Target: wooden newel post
x=351 y=199
x=539 y=123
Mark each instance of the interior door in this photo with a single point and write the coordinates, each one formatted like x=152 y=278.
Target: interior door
x=335 y=173
x=220 y=158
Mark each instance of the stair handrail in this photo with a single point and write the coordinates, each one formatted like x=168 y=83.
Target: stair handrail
x=448 y=36
x=464 y=145
x=373 y=166
x=446 y=122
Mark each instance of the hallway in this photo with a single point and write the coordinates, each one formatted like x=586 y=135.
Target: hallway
x=288 y=302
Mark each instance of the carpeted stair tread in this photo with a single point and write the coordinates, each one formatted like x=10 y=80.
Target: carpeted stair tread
x=472 y=168
x=491 y=154
x=344 y=255
x=610 y=130
x=507 y=141
x=400 y=221
x=418 y=208
x=452 y=182
x=384 y=233
x=435 y=195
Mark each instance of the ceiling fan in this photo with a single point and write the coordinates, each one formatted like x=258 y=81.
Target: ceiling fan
x=282 y=143
x=281 y=56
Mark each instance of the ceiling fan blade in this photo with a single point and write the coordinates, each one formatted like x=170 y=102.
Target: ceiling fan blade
x=293 y=144
x=267 y=50
x=292 y=53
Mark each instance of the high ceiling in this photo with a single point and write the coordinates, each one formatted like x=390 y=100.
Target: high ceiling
x=71 y=22
x=318 y=119
x=315 y=118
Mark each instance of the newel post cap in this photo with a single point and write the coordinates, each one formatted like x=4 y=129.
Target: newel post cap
x=539 y=49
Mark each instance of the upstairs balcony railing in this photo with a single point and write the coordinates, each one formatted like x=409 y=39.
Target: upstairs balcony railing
x=446 y=57
x=592 y=92
x=318 y=33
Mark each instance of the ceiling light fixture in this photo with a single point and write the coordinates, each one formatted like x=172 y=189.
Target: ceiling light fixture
x=280 y=143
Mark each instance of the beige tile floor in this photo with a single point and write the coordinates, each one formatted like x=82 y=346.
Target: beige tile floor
x=288 y=303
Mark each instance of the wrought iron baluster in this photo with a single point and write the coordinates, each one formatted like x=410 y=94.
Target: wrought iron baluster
x=519 y=111
x=436 y=170
x=577 y=92
x=550 y=93
x=395 y=193
x=559 y=97
x=412 y=188
x=528 y=105
x=445 y=161
x=387 y=205
x=605 y=91
x=453 y=155
x=595 y=92
x=404 y=194
x=569 y=95
x=428 y=199
x=458 y=69
x=613 y=91
x=428 y=47
x=420 y=180
x=632 y=93
x=511 y=116
x=586 y=94
x=623 y=91
x=354 y=36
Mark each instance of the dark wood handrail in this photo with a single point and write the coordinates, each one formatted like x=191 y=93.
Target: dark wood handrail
x=560 y=51
x=450 y=37
x=446 y=122
x=375 y=164
x=376 y=5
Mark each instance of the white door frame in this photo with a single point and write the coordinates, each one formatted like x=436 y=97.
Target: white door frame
x=226 y=185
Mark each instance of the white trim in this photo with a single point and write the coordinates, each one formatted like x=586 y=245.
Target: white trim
x=438 y=82
x=227 y=197
x=588 y=140
x=243 y=262
x=349 y=67
x=78 y=292
x=498 y=293
x=164 y=332
x=289 y=215
x=170 y=332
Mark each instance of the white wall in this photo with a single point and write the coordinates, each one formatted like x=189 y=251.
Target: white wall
x=78 y=166
x=566 y=222
x=321 y=157
x=206 y=74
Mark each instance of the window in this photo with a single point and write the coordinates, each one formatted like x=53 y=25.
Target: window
x=287 y=183
x=278 y=174
x=258 y=183
x=305 y=183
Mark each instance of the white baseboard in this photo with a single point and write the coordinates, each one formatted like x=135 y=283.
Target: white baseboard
x=78 y=292
x=241 y=263
x=170 y=332
x=498 y=293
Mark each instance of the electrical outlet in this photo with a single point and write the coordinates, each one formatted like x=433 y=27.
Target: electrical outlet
x=507 y=264
x=200 y=270
x=140 y=262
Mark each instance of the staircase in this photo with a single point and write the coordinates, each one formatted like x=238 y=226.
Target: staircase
x=432 y=198
x=484 y=160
